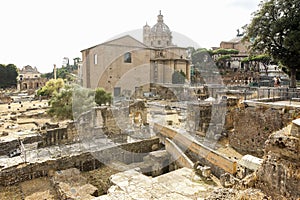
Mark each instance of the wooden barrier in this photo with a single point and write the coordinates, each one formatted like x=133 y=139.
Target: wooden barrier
x=207 y=153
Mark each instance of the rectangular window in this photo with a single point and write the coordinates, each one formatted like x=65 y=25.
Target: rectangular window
x=117 y=91
x=158 y=42
x=95 y=59
x=127 y=57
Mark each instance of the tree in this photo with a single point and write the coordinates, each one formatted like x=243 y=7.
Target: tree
x=264 y=59
x=225 y=51
x=204 y=67
x=275 y=30
x=68 y=72
x=178 y=77
x=102 y=97
x=71 y=101
x=83 y=100
x=51 y=87
x=222 y=60
x=12 y=74
x=223 y=56
x=8 y=75
x=201 y=56
x=61 y=104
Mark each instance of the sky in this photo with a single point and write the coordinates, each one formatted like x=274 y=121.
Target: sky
x=40 y=33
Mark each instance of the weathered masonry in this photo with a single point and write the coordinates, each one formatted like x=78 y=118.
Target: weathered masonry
x=84 y=161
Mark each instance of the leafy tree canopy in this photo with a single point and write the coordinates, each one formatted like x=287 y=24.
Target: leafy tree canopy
x=51 y=87
x=263 y=58
x=201 y=55
x=178 y=77
x=61 y=104
x=65 y=72
x=8 y=75
x=223 y=58
x=102 y=97
x=275 y=30
x=225 y=51
x=73 y=100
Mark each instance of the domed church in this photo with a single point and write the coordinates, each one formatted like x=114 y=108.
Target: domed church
x=126 y=65
x=159 y=35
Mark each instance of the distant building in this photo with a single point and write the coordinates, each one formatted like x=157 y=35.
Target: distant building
x=125 y=65
x=29 y=78
x=238 y=44
x=235 y=62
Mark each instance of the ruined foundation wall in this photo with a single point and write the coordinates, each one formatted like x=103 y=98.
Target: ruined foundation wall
x=132 y=152
x=6 y=147
x=278 y=175
x=61 y=135
x=111 y=120
x=253 y=125
x=211 y=119
x=280 y=169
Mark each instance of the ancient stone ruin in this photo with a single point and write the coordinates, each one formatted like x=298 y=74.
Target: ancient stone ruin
x=217 y=147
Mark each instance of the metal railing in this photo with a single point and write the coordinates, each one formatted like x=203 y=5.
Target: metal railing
x=271 y=94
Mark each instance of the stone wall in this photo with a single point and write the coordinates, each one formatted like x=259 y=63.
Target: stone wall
x=247 y=127
x=211 y=119
x=7 y=147
x=62 y=135
x=253 y=125
x=131 y=152
x=280 y=169
x=69 y=184
x=111 y=121
x=199 y=116
x=278 y=175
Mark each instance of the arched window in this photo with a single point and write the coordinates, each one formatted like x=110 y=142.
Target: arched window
x=127 y=57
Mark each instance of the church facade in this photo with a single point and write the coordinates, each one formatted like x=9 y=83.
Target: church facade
x=125 y=65
x=30 y=79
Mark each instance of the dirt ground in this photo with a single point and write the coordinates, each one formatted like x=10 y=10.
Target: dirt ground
x=39 y=188
x=11 y=122
x=100 y=178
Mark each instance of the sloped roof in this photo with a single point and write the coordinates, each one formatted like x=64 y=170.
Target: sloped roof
x=120 y=42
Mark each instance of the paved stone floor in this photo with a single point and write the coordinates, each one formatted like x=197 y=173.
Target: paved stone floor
x=181 y=184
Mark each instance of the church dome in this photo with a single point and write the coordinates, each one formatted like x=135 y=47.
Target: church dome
x=160 y=26
x=159 y=35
